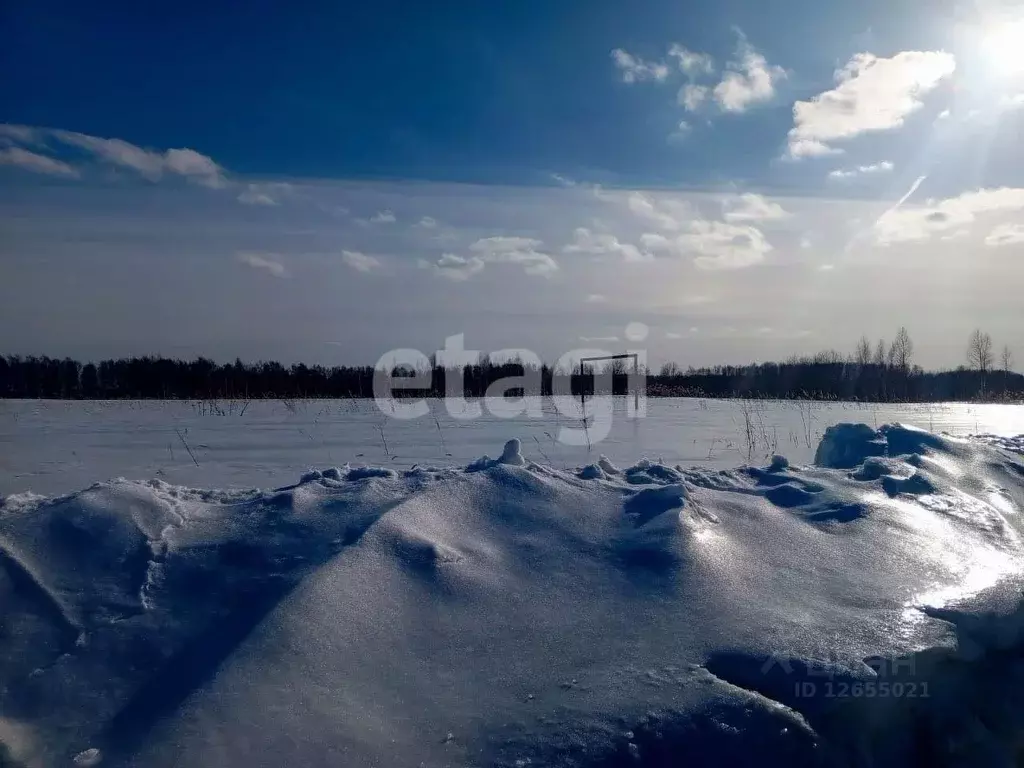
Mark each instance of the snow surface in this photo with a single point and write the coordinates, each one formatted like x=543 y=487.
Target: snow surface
x=56 y=447
x=512 y=613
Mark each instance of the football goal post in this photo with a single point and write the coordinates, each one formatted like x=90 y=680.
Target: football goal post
x=611 y=358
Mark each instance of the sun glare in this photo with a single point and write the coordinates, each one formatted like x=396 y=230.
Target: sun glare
x=1004 y=46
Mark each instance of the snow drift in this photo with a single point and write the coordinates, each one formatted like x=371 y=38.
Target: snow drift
x=863 y=611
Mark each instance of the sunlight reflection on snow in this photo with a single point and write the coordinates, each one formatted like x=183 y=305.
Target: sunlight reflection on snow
x=971 y=569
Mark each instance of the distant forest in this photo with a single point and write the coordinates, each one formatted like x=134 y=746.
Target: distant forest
x=882 y=373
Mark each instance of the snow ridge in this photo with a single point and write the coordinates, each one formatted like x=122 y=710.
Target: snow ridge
x=512 y=613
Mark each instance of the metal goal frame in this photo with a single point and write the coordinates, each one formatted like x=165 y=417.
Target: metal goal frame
x=602 y=358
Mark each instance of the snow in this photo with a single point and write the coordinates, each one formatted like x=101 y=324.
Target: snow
x=1008 y=443
x=847 y=445
x=512 y=454
x=59 y=447
x=514 y=612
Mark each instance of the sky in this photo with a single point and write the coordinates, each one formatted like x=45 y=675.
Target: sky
x=327 y=182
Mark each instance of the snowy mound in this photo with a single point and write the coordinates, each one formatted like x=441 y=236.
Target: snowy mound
x=861 y=612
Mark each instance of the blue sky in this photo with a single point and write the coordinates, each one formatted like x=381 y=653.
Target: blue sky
x=329 y=181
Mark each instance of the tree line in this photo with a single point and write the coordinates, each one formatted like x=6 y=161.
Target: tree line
x=875 y=372
x=881 y=372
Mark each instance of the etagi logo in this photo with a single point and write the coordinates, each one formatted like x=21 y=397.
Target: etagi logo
x=589 y=416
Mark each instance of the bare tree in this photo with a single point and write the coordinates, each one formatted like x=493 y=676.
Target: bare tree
x=979 y=351
x=880 y=353
x=862 y=355
x=1006 y=360
x=902 y=351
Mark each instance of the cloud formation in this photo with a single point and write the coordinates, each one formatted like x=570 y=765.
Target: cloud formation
x=633 y=69
x=665 y=214
x=265 y=194
x=266 y=262
x=515 y=250
x=1005 y=234
x=752 y=207
x=360 y=262
x=453 y=267
x=383 y=217
x=692 y=96
x=36 y=163
x=801 y=148
x=21 y=134
x=941 y=218
x=691 y=63
x=747 y=81
x=874 y=169
x=715 y=245
x=871 y=94
x=601 y=244
x=150 y=164
x=524 y=251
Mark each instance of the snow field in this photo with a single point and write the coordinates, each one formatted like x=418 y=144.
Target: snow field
x=514 y=613
x=59 y=447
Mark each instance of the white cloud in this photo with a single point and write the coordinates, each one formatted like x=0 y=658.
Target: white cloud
x=715 y=244
x=634 y=69
x=802 y=148
x=149 y=164
x=265 y=194
x=427 y=222
x=751 y=207
x=667 y=214
x=598 y=339
x=600 y=244
x=524 y=251
x=747 y=81
x=195 y=167
x=1006 y=234
x=918 y=223
x=21 y=134
x=655 y=243
x=515 y=250
x=596 y=298
x=691 y=96
x=862 y=170
x=871 y=94
x=117 y=152
x=726 y=246
x=360 y=262
x=383 y=217
x=36 y=163
x=453 y=267
x=673 y=335
x=690 y=62
x=263 y=261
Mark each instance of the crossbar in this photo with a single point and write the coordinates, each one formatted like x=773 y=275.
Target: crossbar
x=623 y=356
x=608 y=357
